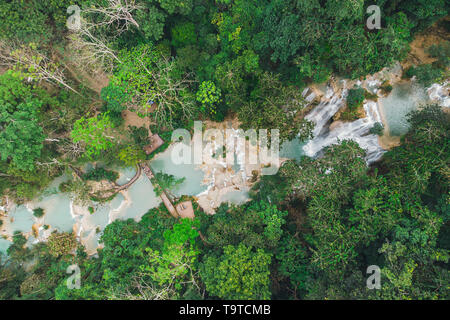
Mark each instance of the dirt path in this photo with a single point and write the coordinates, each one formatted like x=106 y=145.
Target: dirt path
x=418 y=53
x=96 y=83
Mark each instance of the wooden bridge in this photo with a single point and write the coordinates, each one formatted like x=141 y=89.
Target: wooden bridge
x=184 y=209
x=149 y=173
x=129 y=183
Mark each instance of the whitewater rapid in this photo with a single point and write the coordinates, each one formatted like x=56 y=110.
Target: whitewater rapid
x=357 y=130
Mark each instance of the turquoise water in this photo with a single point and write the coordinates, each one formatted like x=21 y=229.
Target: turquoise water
x=99 y=219
x=21 y=219
x=292 y=149
x=142 y=197
x=404 y=98
x=125 y=175
x=57 y=212
x=192 y=185
x=4 y=245
x=56 y=207
x=138 y=199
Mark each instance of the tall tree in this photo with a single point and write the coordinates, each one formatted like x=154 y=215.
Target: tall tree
x=95 y=133
x=21 y=136
x=239 y=273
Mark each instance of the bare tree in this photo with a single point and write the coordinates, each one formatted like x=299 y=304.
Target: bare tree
x=140 y=289
x=91 y=53
x=171 y=94
x=91 y=49
x=117 y=14
x=49 y=165
x=161 y=285
x=71 y=150
x=33 y=64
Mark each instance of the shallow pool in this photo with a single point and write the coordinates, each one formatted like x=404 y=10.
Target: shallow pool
x=125 y=174
x=192 y=184
x=141 y=199
x=292 y=149
x=20 y=219
x=4 y=245
x=404 y=98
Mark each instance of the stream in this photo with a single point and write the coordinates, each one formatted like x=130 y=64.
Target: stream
x=63 y=215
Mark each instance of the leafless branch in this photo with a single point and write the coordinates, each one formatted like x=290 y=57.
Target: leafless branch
x=170 y=95
x=117 y=14
x=90 y=47
x=32 y=64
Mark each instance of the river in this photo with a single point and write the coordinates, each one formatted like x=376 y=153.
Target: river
x=63 y=215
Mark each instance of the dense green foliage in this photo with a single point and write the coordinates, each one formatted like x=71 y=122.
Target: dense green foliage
x=29 y=115
x=209 y=96
x=38 y=212
x=21 y=139
x=309 y=232
x=116 y=99
x=164 y=182
x=394 y=216
x=394 y=219
x=100 y=173
x=355 y=98
x=33 y=21
x=426 y=74
x=237 y=274
x=93 y=132
x=377 y=129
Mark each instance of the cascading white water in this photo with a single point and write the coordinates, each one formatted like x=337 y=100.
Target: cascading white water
x=357 y=130
x=439 y=93
x=326 y=109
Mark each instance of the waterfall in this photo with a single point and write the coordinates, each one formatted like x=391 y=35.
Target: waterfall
x=439 y=93
x=326 y=109
x=357 y=130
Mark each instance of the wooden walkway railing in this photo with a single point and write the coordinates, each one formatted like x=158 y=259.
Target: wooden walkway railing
x=133 y=180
